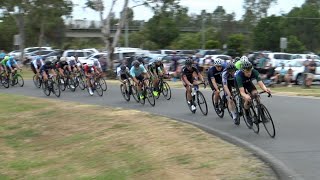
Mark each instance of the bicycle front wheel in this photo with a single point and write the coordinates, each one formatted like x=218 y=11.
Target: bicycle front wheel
x=219 y=109
x=99 y=89
x=56 y=89
x=134 y=93
x=19 y=80
x=103 y=84
x=150 y=97
x=124 y=92
x=166 y=91
x=202 y=103
x=267 y=121
x=45 y=88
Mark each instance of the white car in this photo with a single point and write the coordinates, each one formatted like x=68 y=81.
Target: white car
x=276 y=59
x=82 y=55
x=226 y=58
x=304 y=56
x=16 y=53
x=298 y=69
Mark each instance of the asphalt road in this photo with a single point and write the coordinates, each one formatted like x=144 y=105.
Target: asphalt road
x=296 y=119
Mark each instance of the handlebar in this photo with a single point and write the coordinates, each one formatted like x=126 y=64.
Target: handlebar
x=269 y=94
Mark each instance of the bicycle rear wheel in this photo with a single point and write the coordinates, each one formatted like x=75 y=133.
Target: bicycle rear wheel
x=267 y=121
x=189 y=105
x=255 y=119
x=45 y=88
x=71 y=84
x=124 y=93
x=82 y=84
x=5 y=81
x=134 y=93
x=166 y=91
x=103 y=84
x=202 y=103
x=62 y=83
x=219 y=110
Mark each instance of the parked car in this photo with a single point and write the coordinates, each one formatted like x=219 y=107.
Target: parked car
x=226 y=58
x=304 y=56
x=82 y=55
x=204 y=52
x=277 y=58
x=298 y=69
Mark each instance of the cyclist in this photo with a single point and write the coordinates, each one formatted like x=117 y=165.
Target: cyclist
x=123 y=74
x=214 y=78
x=244 y=78
x=62 y=66
x=138 y=73
x=36 y=65
x=89 y=72
x=97 y=64
x=73 y=64
x=156 y=69
x=12 y=65
x=228 y=83
x=190 y=76
x=2 y=55
x=4 y=62
x=46 y=69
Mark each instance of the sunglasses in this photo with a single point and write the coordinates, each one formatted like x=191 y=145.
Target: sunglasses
x=218 y=66
x=247 y=70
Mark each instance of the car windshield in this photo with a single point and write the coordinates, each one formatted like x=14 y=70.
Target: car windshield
x=282 y=56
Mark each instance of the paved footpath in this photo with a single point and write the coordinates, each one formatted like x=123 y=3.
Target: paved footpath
x=297 y=121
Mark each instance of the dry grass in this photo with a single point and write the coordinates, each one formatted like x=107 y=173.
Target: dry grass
x=50 y=139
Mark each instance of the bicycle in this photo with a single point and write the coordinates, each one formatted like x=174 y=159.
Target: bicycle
x=127 y=93
x=95 y=86
x=163 y=87
x=197 y=98
x=4 y=78
x=37 y=81
x=51 y=85
x=103 y=83
x=15 y=79
x=260 y=114
x=223 y=104
x=147 y=93
x=66 y=81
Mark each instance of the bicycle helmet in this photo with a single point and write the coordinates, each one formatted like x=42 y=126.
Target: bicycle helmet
x=62 y=59
x=48 y=63
x=90 y=64
x=38 y=58
x=236 y=59
x=123 y=67
x=140 y=59
x=188 y=62
x=158 y=59
x=230 y=67
x=217 y=62
x=96 y=62
x=244 y=58
x=136 y=63
x=72 y=58
x=246 y=65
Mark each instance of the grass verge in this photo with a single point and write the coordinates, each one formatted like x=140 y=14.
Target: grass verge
x=52 y=139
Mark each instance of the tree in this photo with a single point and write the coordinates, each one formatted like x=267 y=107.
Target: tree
x=267 y=33
x=236 y=42
x=294 y=45
x=8 y=29
x=186 y=41
x=213 y=44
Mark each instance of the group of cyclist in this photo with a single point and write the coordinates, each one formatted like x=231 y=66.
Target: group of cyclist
x=65 y=65
x=9 y=64
x=238 y=74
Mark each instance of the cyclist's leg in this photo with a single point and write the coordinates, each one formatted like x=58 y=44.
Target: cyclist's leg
x=216 y=94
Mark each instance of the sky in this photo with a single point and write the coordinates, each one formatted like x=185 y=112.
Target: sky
x=195 y=6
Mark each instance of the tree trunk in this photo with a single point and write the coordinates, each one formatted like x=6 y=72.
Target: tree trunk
x=19 y=18
x=41 y=36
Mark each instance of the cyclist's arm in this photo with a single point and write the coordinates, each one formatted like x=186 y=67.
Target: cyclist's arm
x=9 y=65
x=260 y=83
x=201 y=77
x=214 y=83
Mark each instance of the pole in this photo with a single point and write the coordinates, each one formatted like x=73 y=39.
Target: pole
x=203 y=36
x=126 y=34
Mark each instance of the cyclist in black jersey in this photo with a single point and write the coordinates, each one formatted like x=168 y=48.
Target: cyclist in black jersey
x=156 y=69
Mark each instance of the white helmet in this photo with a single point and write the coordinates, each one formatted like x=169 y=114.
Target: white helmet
x=63 y=59
x=217 y=62
x=244 y=58
x=72 y=58
x=96 y=62
x=90 y=63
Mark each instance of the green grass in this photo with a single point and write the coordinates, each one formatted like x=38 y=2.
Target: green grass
x=297 y=90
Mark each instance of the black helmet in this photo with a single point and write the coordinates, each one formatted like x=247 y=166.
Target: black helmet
x=236 y=59
x=123 y=67
x=230 y=67
x=246 y=65
x=139 y=58
x=188 y=62
x=136 y=63
x=48 y=63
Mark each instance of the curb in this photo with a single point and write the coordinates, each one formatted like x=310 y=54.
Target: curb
x=279 y=168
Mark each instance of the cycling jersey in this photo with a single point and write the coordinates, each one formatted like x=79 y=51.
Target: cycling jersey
x=37 y=63
x=135 y=72
x=97 y=64
x=227 y=78
x=154 y=68
x=5 y=60
x=46 y=68
x=88 y=69
x=238 y=65
x=188 y=73
x=246 y=82
x=72 y=62
x=213 y=72
x=123 y=74
x=62 y=64
x=2 y=55
x=11 y=62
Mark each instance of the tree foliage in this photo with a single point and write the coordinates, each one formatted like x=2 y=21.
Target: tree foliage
x=236 y=42
x=294 y=45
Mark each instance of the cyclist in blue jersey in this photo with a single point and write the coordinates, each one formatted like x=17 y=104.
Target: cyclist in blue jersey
x=228 y=83
x=12 y=65
x=244 y=78
x=214 y=78
x=138 y=73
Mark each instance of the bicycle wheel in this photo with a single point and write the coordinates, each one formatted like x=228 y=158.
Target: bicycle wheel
x=255 y=119
x=134 y=93
x=267 y=121
x=166 y=91
x=82 y=84
x=105 y=80
x=45 y=88
x=149 y=95
x=62 y=83
x=99 y=89
x=189 y=105
x=19 y=80
x=5 y=81
x=143 y=100
x=55 y=89
x=124 y=93
x=220 y=108
x=71 y=84
x=36 y=81
x=202 y=103
x=103 y=84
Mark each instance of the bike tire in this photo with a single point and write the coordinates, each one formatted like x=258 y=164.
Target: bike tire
x=70 y=83
x=255 y=119
x=125 y=95
x=220 y=110
x=99 y=89
x=166 y=91
x=103 y=84
x=56 y=89
x=19 y=80
x=5 y=81
x=202 y=103
x=63 y=85
x=150 y=97
x=45 y=89
x=134 y=93
x=35 y=81
x=267 y=121
x=82 y=84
